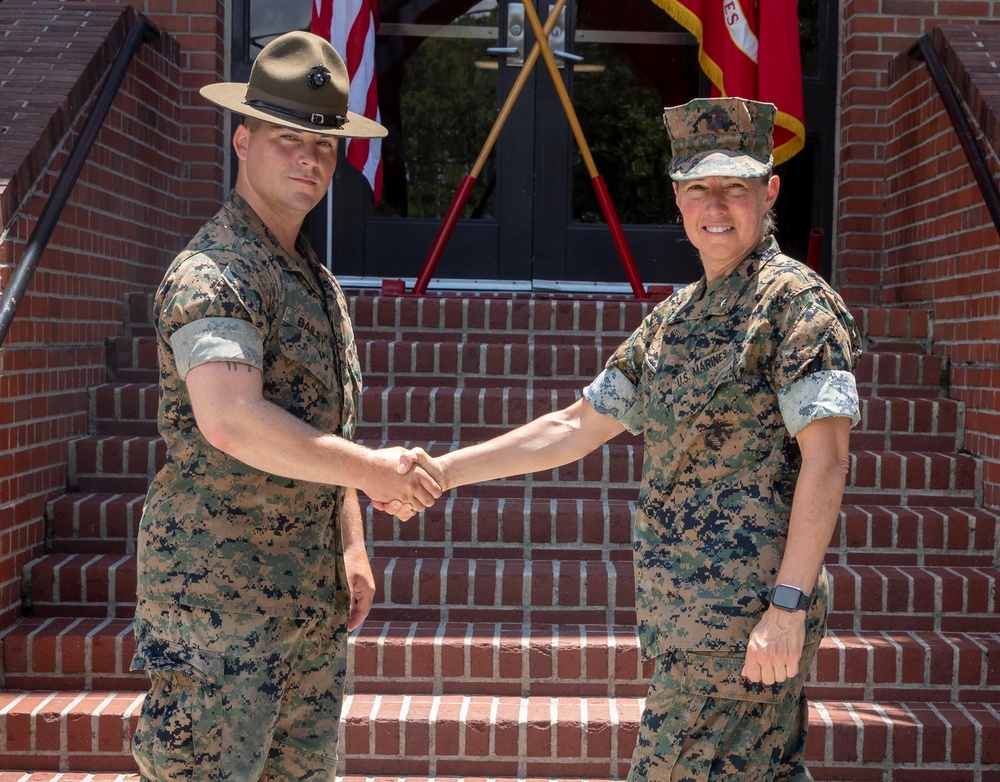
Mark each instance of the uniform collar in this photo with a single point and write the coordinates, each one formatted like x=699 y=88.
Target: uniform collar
x=307 y=267
x=700 y=302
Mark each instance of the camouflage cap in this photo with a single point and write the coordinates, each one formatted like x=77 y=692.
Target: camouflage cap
x=720 y=137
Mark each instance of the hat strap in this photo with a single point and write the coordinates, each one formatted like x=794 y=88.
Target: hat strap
x=326 y=120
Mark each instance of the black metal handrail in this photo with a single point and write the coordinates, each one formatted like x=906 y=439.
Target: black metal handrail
x=141 y=31
x=925 y=50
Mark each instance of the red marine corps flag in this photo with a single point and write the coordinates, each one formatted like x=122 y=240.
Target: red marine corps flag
x=750 y=49
x=350 y=25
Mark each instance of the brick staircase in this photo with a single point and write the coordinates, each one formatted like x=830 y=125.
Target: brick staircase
x=502 y=643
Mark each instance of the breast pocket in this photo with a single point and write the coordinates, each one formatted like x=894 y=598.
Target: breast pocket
x=307 y=342
x=718 y=431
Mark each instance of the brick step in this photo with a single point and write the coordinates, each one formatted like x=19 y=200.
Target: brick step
x=431 y=361
x=601 y=661
x=912 y=479
x=115 y=463
x=118 y=463
x=60 y=776
x=902 y=324
x=429 y=658
x=428 y=360
x=901 y=424
x=139 y=313
x=124 y=408
x=404 y=735
x=864 y=598
x=69 y=653
x=496 y=311
x=442 y=413
x=553 y=738
x=132 y=358
x=68 y=730
x=944 y=536
x=89 y=523
x=494 y=316
x=107 y=523
x=446 y=412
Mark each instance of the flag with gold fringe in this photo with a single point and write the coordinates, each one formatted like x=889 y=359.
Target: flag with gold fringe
x=750 y=49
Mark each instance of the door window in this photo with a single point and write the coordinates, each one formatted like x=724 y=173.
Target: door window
x=533 y=214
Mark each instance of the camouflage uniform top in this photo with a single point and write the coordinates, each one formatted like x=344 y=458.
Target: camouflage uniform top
x=215 y=532
x=720 y=380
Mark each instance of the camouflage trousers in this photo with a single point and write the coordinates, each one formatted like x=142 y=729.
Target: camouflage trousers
x=239 y=697
x=704 y=722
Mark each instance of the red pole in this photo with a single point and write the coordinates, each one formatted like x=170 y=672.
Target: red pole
x=618 y=235
x=458 y=203
x=815 y=248
x=610 y=215
x=444 y=233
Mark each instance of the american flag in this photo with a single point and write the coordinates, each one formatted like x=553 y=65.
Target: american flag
x=350 y=25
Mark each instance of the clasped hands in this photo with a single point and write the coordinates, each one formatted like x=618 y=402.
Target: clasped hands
x=420 y=481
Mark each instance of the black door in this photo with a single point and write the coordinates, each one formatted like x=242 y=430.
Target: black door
x=532 y=216
x=445 y=69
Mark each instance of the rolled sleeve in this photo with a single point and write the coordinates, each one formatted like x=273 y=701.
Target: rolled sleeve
x=216 y=339
x=613 y=394
x=825 y=394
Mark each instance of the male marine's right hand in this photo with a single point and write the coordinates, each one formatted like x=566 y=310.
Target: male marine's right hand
x=386 y=483
x=413 y=460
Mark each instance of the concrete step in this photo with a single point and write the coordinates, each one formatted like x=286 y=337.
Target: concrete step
x=865 y=598
x=107 y=523
x=399 y=737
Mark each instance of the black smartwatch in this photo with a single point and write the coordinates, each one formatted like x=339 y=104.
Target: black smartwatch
x=789 y=598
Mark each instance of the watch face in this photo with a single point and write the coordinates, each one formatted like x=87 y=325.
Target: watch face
x=786 y=597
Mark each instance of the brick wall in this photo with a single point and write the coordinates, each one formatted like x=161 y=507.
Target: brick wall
x=912 y=227
x=154 y=175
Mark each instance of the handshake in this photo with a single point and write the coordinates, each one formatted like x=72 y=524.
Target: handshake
x=404 y=481
x=412 y=480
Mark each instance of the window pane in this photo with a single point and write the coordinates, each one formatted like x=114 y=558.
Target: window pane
x=636 y=61
x=271 y=18
x=809 y=36
x=438 y=98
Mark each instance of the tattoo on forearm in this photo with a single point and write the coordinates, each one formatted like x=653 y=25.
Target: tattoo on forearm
x=234 y=366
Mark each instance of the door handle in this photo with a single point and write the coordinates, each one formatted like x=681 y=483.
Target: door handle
x=567 y=56
x=516 y=25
